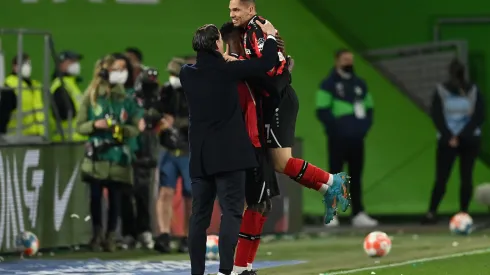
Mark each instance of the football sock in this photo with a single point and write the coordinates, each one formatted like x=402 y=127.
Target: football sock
x=256 y=242
x=248 y=230
x=308 y=174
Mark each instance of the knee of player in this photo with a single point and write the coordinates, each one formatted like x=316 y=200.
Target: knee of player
x=167 y=193
x=262 y=208
x=280 y=158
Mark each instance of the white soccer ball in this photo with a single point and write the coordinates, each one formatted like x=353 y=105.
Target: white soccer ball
x=461 y=224
x=212 y=251
x=377 y=244
x=28 y=243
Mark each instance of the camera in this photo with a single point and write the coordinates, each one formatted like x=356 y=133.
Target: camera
x=148 y=96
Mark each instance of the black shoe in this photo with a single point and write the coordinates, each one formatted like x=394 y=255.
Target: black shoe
x=162 y=243
x=429 y=219
x=249 y=272
x=183 y=246
x=97 y=240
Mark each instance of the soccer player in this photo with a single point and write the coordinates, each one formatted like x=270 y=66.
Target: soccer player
x=261 y=183
x=280 y=112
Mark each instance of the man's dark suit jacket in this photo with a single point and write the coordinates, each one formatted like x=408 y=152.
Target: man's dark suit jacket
x=218 y=139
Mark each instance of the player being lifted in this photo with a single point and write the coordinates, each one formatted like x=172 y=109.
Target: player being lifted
x=280 y=112
x=261 y=183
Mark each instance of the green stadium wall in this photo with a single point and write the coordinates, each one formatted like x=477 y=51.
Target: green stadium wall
x=381 y=23
x=400 y=148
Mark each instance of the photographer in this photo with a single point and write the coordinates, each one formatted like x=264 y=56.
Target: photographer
x=174 y=160
x=128 y=215
x=148 y=98
x=109 y=118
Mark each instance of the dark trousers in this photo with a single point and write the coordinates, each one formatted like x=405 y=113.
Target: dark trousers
x=114 y=190
x=445 y=156
x=136 y=207
x=230 y=188
x=350 y=151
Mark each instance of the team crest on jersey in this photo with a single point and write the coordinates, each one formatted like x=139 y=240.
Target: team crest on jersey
x=339 y=87
x=123 y=116
x=97 y=109
x=358 y=90
x=260 y=43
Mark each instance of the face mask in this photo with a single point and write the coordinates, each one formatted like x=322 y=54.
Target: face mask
x=118 y=77
x=174 y=82
x=73 y=69
x=348 y=68
x=26 y=70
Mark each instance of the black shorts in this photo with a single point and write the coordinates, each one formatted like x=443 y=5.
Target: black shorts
x=261 y=182
x=280 y=113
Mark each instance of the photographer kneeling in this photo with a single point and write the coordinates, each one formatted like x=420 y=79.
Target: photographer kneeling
x=174 y=161
x=109 y=118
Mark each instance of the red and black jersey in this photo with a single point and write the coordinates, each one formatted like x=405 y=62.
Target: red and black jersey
x=251 y=113
x=253 y=41
x=251 y=103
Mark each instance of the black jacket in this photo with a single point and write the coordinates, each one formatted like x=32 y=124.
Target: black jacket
x=218 y=139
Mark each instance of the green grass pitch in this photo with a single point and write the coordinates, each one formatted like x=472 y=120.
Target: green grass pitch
x=423 y=254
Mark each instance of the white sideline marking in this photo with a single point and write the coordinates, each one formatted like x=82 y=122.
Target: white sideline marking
x=422 y=260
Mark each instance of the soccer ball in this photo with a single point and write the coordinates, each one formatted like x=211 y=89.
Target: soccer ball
x=461 y=224
x=28 y=243
x=377 y=244
x=212 y=251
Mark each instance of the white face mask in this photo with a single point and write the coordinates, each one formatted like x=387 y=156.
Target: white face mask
x=74 y=69
x=118 y=77
x=174 y=82
x=26 y=70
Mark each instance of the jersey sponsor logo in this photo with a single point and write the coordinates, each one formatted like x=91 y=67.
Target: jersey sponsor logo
x=260 y=43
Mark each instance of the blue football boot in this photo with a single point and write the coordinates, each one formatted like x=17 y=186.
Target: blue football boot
x=336 y=195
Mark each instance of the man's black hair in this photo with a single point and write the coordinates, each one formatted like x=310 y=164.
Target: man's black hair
x=205 y=38
x=457 y=73
x=136 y=52
x=130 y=81
x=340 y=52
x=227 y=30
x=24 y=58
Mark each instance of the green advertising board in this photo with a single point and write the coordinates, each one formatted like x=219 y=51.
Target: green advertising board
x=41 y=192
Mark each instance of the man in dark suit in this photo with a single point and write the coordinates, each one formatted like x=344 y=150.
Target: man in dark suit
x=220 y=149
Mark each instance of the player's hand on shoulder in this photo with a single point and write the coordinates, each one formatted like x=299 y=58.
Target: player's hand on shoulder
x=229 y=58
x=267 y=27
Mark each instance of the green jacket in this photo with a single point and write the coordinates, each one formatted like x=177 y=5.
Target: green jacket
x=133 y=142
x=114 y=162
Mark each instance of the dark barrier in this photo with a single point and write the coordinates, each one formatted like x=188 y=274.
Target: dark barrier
x=41 y=191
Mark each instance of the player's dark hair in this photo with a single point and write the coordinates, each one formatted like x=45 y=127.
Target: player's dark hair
x=137 y=52
x=340 y=52
x=227 y=30
x=205 y=38
x=457 y=73
x=130 y=81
